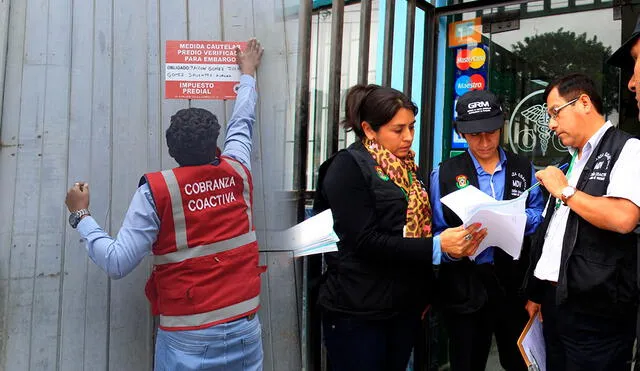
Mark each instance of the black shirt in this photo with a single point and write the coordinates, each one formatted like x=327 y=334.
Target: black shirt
x=376 y=272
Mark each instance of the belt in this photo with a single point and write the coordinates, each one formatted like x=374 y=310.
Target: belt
x=552 y=283
x=248 y=318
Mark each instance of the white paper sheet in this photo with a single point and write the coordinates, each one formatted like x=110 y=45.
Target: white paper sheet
x=503 y=230
x=532 y=345
x=313 y=236
x=331 y=247
x=505 y=220
x=514 y=206
x=462 y=201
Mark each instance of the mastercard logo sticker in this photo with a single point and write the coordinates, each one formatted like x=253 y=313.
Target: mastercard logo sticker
x=474 y=58
x=466 y=83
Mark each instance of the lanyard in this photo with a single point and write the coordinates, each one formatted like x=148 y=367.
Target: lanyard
x=573 y=159
x=406 y=195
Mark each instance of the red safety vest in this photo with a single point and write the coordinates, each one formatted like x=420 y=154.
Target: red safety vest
x=206 y=268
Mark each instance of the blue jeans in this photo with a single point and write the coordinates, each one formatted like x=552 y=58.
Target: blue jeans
x=232 y=346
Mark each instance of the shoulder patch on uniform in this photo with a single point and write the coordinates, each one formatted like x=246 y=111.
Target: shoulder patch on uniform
x=462 y=181
x=381 y=174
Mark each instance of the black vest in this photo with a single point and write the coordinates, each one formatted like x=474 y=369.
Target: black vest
x=598 y=268
x=384 y=191
x=457 y=169
x=463 y=284
x=369 y=288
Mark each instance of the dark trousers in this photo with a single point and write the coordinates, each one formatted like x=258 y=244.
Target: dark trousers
x=369 y=345
x=470 y=334
x=580 y=341
x=636 y=365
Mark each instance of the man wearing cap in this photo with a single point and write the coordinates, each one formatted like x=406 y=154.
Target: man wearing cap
x=583 y=271
x=482 y=298
x=626 y=58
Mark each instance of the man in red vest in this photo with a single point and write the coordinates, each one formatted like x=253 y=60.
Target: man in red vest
x=197 y=221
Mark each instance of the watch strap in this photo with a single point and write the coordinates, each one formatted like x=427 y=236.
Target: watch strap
x=77 y=215
x=82 y=212
x=564 y=197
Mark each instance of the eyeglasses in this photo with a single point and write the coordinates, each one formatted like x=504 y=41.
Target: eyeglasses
x=555 y=111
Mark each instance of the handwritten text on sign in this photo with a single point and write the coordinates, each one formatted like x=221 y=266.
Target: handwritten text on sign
x=202 y=69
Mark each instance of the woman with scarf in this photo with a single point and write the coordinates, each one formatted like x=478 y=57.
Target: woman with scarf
x=380 y=280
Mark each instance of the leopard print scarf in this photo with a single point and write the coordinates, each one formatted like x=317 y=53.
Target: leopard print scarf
x=403 y=173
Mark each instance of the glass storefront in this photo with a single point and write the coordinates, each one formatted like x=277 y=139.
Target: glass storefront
x=518 y=60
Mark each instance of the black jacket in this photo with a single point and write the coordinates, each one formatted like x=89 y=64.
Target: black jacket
x=376 y=273
x=463 y=284
x=598 y=267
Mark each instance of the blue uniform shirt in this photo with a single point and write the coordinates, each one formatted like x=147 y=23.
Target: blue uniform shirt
x=493 y=185
x=141 y=224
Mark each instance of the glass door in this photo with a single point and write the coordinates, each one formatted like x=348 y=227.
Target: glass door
x=517 y=54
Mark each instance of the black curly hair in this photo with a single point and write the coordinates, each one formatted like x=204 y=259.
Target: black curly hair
x=192 y=136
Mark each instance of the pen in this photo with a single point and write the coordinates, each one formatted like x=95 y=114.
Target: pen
x=561 y=167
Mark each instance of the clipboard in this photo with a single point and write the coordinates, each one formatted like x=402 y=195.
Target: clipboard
x=532 y=346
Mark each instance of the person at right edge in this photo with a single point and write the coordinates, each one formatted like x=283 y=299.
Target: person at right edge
x=380 y=281
x=584 y=259
x=484 y=297
x=626 y=58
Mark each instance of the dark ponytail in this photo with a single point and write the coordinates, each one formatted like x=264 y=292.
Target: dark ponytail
x=374 y=104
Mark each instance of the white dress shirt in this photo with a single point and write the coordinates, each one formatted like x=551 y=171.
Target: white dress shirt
x=623 y=183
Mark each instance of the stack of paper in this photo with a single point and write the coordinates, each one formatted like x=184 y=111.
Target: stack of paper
x=313 y=236
x=505 y=220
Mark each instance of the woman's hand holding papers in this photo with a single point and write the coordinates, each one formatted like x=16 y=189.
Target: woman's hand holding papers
x=459 y=242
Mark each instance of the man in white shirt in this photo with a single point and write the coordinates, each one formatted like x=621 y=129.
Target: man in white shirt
x=584 y=260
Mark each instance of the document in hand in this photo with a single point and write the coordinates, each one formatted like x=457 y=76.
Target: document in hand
x=505 y=220
x=313 y=236
x=532 y=346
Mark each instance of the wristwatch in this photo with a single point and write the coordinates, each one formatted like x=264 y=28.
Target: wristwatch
x=74 y=217
x=567 y=193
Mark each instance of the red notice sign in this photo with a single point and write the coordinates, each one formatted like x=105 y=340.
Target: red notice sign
x=202 y=69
